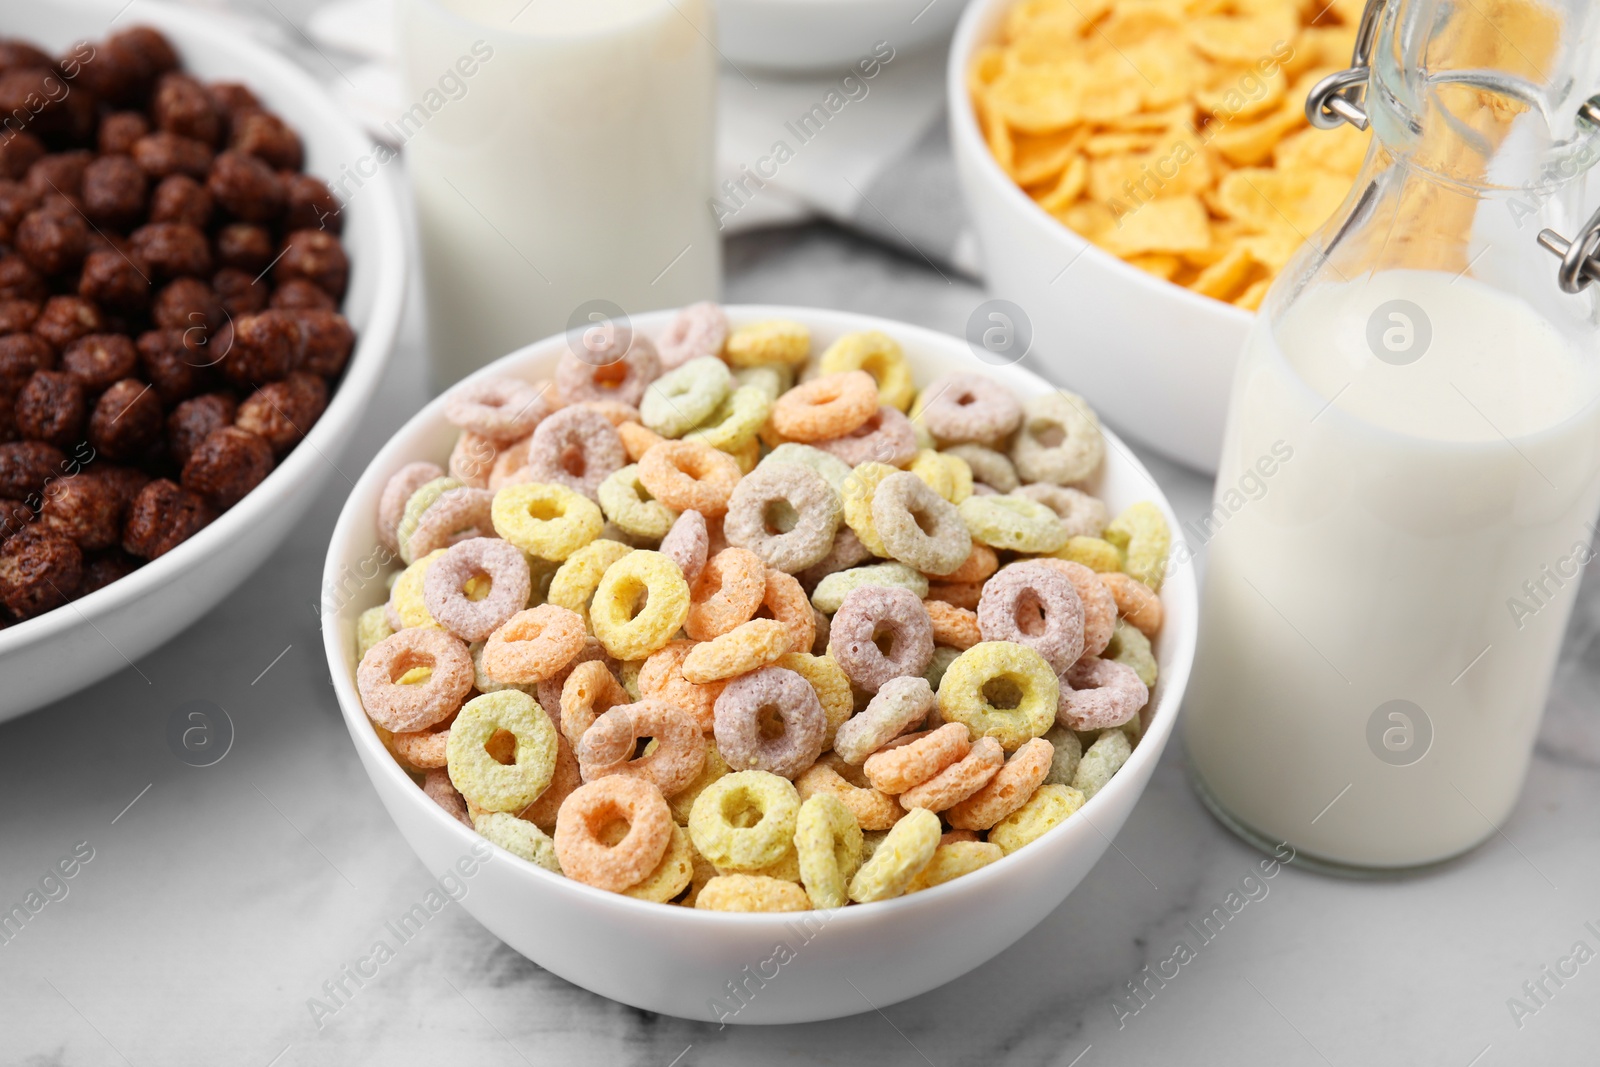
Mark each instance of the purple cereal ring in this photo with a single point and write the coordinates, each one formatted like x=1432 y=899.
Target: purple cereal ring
x=1031 y=603
x=786 y=514
x=406 y=708
x=604 y=375
x=873 y=611
x=1097 y=694
x=688 y=544
x=698 y=330
x=396 y=491
x=548 y=691
x=577 y=448
x=444 y=592
x=958 y=408
x=746 y=701
x=900 y=704
x=457 y=515
x=886 y=437
x=608 y=745
x=501 y=409
x=442 y=791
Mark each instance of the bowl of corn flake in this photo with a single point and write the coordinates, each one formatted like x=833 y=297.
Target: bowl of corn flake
x=1137 y=172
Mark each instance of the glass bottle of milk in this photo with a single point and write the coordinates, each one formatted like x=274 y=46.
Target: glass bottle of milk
x=1421 y=400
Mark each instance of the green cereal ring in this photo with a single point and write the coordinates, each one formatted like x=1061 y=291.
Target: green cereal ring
x=1099 y=556
x=953 y=860
x=481 y=680
x=943 y=656
x=831 y=591
x=828 y=839
x=773 y=379
x=899 y=858
x=574 y=584
x=834 y=471
x=625 y=633
x=548 y=521
x=406 y=596
x=745 y=819
x=479 y=776
x=772 y=341
x=1131 y=648
x=988 y=466
x=518 y=837
x=418 y=502
x=681 y=399
x=1000 y=670
x=880 y=356
x=1014 y=523
x=858 y=491
x=1048 y=807
x=1104 y=758
x=372 y=626
x=1067 y=751
x=1060 y=440
x=628 y=504
x=1143 y=537
x=736 y=420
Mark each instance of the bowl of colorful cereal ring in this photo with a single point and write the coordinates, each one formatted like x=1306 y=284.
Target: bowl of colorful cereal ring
x=758 y=641
x=1136 y=175
x=191 y=321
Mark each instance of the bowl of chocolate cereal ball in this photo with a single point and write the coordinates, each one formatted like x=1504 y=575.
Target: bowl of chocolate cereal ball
x=191 y=321
x=757 y=664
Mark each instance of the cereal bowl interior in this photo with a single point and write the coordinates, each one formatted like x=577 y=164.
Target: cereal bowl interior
x=687 y=962
x=105 y=630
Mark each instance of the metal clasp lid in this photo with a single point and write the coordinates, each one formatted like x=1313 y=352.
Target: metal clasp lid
x=1580 y=258
x=1338 y=97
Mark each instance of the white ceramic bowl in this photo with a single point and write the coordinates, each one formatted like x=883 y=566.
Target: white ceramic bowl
x=47 y=657
x=801 y=35
x=677 y=960
x=1155 y=359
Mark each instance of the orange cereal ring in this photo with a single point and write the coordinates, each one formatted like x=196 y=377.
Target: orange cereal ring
x=1008 y=790
x=1136 y=602
x=406 y=707
x=566 y=777
x=786 y=602
x=964 y=595
x=979 y=565
x=548 y=692
x=739 y=651
x=589 y=692
x=661 y=678
x=424 y=749
x=636 y=440
x=953 y=627
x=960 y=780
x=826 y=407
x=679 y=753
x=689 y=476
x=730 y=588
x=873 y=809
x=586 y=813
x=533 y=644
x=914 y=758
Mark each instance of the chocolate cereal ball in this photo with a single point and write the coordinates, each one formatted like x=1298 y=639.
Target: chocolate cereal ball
x=16 y=200
x=239 y=291
x=114 y=281
x=326 y=340
x=177 y=363
x=162 y=153
x=15 y=53
x=194 y=419
x=267 y=137
x=246 y=246
x=316 y=256
x=298 y=294
x=51 y=408
x=59 y=173
x=126 y=420
x=187 y=303
x=226 y=465
x=26 y=465
x=231 y=98
x=171 y=250
x=99 y=359
x=245 y=187
x=43 y=95
x=152 y=49
x=119 y=130
x=311 y=205
x=114 y=190
x=258 y=348
x=280 y=413
x=19 y=281
x=88 y=508
x=64 y=319
x=39 y=570
x=162 y=517
x=103 y=568
x=52 y=241
x=20 y=355
x=14 y=516
x=182 y=106
x=180 y=198
x=19 y=150
x=17 y=316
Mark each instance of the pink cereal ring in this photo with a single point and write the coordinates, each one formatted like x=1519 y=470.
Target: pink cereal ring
x=603 y=375
x=1031 y=603
x=501 y=409
x=870 y=613
x=688 y=544
x=698 y=330
x=965 y=407
x=586 y=813
x=607 y=747
x=886 y=437
x=533 y=645
x=1100 y=694
x=577 y=448
x=457 y=515
x=407 y=708
x=744 y=704
x=396 y=491
x=424 y=749
x=442 y=791
x=444 y=586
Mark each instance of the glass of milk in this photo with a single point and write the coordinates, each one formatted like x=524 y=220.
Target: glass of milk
x=1421 y=401
x=561 y=156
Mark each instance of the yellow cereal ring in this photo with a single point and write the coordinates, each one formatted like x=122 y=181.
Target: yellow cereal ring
x=751 y=892
x=857 y=493
x=575 y=580
x=1013 y=522
x=1099 y=556
x=1143 y=537
x=630 y=506
x=548 y=521
x=741 y=650
x=965 y=693
x=1103 y=759
x=898 y=859
x=671 y=876
x=481 y=778
x=827 y=839
x=880 y=356
x=1131 y=648
x=1049 y=806
x=629 y=636
x=733 y=426
x=772 y=341
x=682 y=802
x=824 y=674
x=785 y=868
x=406 y=596
x=518 y=837
x=947 y=475
x=372 y=626
x=745 y=820
x=953 y=859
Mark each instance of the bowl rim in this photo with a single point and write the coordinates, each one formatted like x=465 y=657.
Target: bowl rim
x=386 y=259
x=391 y=456
x=967 y=139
